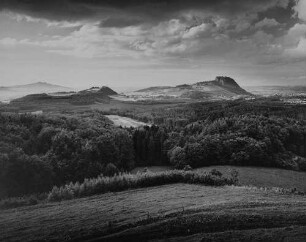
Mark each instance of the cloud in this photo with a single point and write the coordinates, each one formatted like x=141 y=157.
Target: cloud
x=294 y=34
x=120 y=22
x=197 y=31
x=300 y=9
x=238 y=30
x=49 y=23
x=145 y=9
x=266 y=23
x=295 y=42
x=89 y=41
x=8 y=42
x=299 y=51
x=302 y=77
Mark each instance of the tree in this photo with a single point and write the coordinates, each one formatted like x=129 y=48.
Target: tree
x=110 y=170
x=178 y=157
x=194 y=154
x=123 y=140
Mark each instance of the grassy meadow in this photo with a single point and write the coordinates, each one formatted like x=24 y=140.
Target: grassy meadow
x=265 y=177
x=153 y=213
x=178 y=212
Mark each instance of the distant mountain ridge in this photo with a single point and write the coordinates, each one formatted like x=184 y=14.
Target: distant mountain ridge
x=8 y=93
x=153 y=88
x=36 y=84
x=221 y=87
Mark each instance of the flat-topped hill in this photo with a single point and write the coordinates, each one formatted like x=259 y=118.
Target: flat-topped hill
x=220 y=88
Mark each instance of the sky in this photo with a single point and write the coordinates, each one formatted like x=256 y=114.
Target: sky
x=138 y=43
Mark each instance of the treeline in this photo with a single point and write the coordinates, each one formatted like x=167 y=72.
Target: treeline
x=37 y=152
x=247 y=140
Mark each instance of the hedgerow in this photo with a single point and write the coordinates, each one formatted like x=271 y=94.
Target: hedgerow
x=123 y=181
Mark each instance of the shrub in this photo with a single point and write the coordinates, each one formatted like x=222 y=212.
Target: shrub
x=301 y=163
x=234 y=176
x=15 y=202
x=110 y=170
x=215 y=172
x=187 y=168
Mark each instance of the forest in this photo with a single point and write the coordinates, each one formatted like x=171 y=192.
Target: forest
x=38 y=152
x=243 y=140
x=259 y=132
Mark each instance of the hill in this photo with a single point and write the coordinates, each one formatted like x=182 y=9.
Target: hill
x=84 y=97
x=103 y=91
x=223 y=86
x=12 y=92
x=220 y=88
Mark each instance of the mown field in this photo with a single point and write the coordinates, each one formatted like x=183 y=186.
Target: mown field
x=178 y=210
x=266 y=177
x=124 y=121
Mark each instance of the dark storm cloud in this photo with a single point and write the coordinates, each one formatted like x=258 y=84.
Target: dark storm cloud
x=145 y=9
x=283 y=15
x=53 y=9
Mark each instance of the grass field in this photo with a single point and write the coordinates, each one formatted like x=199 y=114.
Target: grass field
x=180 y=212
x=286 y=234
x=155 y=213
x=265 y=177
x=125 y=122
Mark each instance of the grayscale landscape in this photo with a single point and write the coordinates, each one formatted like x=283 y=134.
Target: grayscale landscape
x=153 y=120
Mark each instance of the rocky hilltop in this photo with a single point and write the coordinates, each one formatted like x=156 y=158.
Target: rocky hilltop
x=104 y=90
x=226 y=81
x=228 y=86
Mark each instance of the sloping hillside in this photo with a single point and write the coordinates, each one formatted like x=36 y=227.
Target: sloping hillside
x=156 y=213
x=84 y=97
